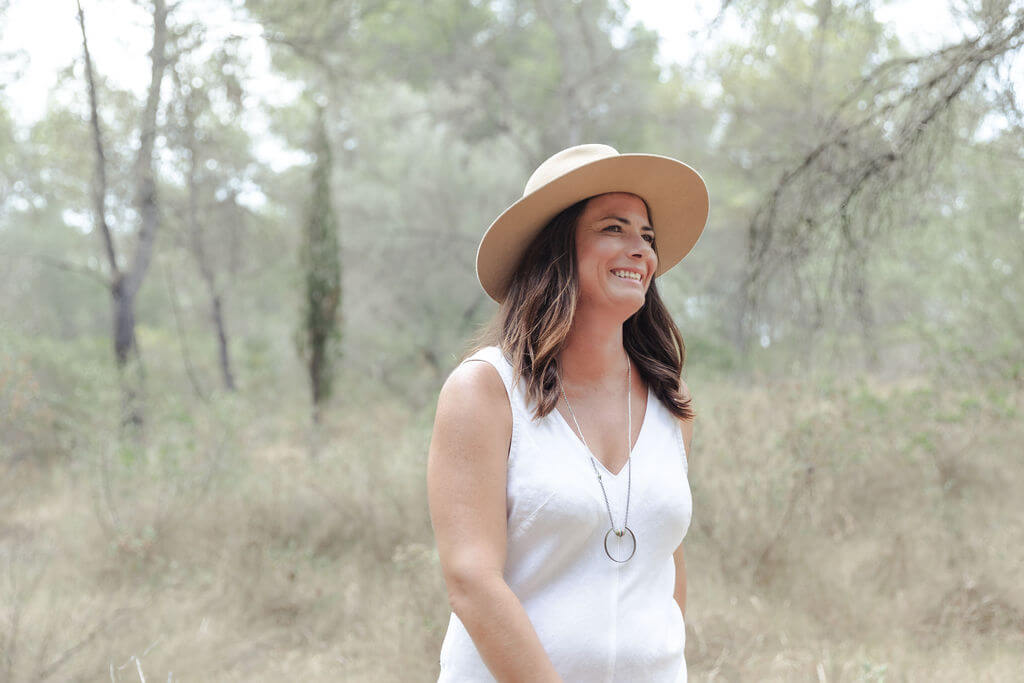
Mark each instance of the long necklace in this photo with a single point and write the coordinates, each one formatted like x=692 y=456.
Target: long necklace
x=619 y=533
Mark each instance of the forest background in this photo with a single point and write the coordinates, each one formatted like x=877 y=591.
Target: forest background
x=230 y=299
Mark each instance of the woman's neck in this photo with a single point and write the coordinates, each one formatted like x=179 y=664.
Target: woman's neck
x=593 y=356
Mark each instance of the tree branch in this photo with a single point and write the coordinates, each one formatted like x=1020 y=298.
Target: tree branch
x=99 y=186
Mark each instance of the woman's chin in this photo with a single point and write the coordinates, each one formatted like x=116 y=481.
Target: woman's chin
x=628 y=304
x=626 y=301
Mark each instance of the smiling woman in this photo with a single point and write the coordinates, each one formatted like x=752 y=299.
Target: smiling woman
x=557 y=473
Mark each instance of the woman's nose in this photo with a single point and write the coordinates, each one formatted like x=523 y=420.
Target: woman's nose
x=639 y=246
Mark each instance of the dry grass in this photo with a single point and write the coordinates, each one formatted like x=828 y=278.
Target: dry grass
x=843 y=530
x=855 y=530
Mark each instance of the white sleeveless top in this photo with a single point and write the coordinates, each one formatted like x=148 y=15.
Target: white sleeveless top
x=598 y=620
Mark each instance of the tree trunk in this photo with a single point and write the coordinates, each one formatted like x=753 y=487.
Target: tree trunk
x=125 y=286
x=129 y=363
x=222 y=344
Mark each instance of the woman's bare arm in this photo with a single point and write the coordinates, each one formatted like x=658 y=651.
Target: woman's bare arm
x=680 y=588
x=677 y=556
x=466 y=479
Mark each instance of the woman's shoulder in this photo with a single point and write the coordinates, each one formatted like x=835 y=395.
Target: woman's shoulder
x=493 y=355
x=472 y=381
x=474 y=393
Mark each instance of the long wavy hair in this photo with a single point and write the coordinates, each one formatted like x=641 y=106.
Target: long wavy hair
x=533 y=322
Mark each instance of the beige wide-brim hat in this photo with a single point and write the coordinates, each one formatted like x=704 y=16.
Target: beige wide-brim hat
x=676 y=196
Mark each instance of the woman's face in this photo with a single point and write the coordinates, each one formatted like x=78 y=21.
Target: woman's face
x=614 y=234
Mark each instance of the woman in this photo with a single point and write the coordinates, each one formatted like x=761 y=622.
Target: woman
x=557 y=473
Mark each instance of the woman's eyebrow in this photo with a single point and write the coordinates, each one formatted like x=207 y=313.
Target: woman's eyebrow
x=645 y=228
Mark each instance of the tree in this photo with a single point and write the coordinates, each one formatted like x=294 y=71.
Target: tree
x=466 y=98
x=125 y=284
x=213 y=157
x=873 y=127
x=320 y=261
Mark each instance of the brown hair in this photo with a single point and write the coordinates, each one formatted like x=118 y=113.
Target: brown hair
x=534 y=320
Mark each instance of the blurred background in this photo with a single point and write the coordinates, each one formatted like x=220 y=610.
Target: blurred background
x=237 y=243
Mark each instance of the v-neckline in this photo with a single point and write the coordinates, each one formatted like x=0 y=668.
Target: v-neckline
x=639 y=436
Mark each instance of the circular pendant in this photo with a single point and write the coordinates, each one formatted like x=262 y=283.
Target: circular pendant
x=623 y=544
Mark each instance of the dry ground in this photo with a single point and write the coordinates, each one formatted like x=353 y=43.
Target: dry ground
x=851 y=529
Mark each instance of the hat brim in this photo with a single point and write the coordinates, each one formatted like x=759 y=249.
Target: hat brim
x=676 y=196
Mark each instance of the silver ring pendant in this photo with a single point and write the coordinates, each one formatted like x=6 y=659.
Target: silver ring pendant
x=620 y=534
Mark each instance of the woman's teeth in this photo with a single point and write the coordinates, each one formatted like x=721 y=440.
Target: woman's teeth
x=628 y=275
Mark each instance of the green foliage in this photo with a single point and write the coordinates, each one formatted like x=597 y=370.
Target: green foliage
x=320 y=261
x=710 y=354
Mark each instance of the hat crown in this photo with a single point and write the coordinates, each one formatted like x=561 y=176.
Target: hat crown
x=567 y=160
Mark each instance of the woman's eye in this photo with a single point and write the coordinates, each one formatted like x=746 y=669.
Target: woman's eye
x=649 y=238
